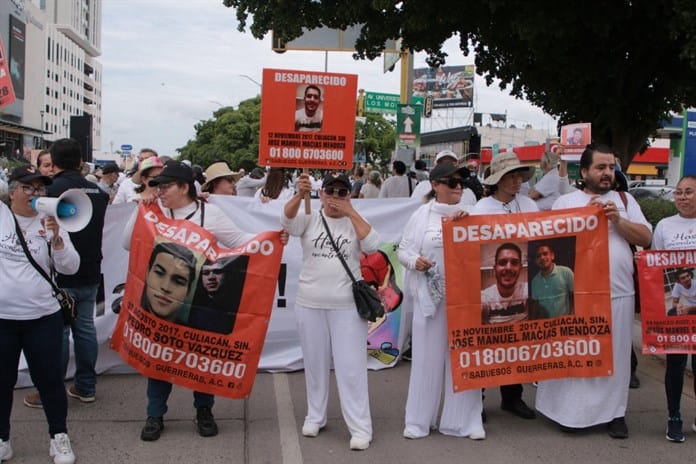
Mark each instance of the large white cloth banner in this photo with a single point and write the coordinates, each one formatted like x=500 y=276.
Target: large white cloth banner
x=281 y=350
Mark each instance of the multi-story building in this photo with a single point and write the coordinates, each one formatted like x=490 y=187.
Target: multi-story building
x=52 y=48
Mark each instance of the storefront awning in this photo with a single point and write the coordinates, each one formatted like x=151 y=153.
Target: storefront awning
x=642 y=170
x=20 y=129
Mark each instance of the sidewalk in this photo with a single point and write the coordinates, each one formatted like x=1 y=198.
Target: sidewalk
x=266 y=428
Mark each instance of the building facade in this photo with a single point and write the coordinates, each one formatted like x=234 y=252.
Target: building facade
x=52 y=48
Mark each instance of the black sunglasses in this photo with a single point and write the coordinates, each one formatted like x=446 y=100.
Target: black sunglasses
x=341 y=192
x=452 y=182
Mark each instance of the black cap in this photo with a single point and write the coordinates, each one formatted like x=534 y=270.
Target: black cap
x=331 y=179
x=108 y=168
x=445 y=170
x=173 y=171
x=28 y=173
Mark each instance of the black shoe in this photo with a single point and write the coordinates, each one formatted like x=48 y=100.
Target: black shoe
x=519 y=408
x=406 y=355
x=153 y=429
x=617 y=428
x=206 y=423
x=635 y=381
x=566 y=429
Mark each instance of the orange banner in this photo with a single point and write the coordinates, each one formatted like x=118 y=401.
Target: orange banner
x=193 y=313
x=307 y=119
x=7 y=95
x=667 y=300
x=540 y=307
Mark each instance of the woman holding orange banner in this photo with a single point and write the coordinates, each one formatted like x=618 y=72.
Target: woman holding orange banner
x=675 y=233
x=421 y=254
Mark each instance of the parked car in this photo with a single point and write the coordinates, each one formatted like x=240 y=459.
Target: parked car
x=664 y=192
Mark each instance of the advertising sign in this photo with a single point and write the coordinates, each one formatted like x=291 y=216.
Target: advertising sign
x=450 y=86
x=7 y=95
x=307 y=119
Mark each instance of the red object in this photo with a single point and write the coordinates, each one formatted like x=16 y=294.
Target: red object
x=7 y=95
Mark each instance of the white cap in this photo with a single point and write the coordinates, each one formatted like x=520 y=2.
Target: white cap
x=446 y=154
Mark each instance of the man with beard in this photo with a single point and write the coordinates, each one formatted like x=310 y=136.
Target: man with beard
x=577 y=403
x=506 y=300
x=552 y=287
x=309 y=118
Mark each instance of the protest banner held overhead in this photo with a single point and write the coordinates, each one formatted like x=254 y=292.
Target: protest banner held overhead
x=307 y=119
x=512 y=323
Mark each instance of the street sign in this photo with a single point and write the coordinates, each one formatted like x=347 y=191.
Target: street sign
x=126 y=147
x=408 y=124
x=381 y=102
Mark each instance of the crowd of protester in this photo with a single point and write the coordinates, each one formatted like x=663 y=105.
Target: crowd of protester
x=450 y=189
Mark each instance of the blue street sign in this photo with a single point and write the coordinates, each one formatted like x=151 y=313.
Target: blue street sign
x=126 y=147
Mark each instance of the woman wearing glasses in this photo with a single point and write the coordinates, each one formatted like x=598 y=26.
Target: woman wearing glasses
x=148 y=169
x=327 y=318
x=176 y=199
x=504 y=183
x=30 y=317
x=421 y=254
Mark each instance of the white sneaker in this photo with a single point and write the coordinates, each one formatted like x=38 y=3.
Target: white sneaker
x=481 y=435
x=310 y=430
x=5 y=450
x=359 y=444
x=410 y=435
x=60 y=449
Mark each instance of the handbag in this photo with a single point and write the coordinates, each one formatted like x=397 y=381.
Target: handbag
x=67 y=303
x=367 y=301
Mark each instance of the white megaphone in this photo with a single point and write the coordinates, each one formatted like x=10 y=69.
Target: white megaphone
x=72 y=210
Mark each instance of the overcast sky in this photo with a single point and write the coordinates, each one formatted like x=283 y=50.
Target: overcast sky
x=170 y=63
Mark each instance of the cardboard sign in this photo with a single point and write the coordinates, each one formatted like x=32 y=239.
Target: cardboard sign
x=667 y=300
x=575 y=137
x=509 y=323
x=176 y=325
x=307 y=119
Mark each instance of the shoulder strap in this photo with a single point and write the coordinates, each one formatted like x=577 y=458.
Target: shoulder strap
x=30 y=258
x=333 y=244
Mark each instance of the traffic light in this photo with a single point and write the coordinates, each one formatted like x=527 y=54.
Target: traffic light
x=428 y=108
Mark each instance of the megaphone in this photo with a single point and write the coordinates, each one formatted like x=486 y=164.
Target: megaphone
x=72 y=210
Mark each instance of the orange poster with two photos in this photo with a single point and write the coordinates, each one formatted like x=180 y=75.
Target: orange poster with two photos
x=307 y=119
x=194 y=313
x=527 y=299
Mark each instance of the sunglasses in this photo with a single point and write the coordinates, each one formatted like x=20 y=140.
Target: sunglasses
x=452 y=182
x=164 y=187
x=341 y=192
x=30 y=190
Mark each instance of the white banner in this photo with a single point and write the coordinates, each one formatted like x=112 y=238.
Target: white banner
x=281 y=350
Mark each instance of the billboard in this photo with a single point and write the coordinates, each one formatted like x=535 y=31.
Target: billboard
x=18 y=34
x=450 y=86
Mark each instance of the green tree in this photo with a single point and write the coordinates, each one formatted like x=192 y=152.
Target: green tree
x=621 y=65
x=232 y=135
x=377 y=136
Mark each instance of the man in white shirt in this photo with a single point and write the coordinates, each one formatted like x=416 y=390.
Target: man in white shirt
x=547 y=190
x=684 y=288
x=399 y=185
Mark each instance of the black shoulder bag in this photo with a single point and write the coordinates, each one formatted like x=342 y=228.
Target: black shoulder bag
x=367 y=301
x=66 y=302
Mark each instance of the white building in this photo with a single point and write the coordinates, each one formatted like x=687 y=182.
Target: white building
x=52 y=48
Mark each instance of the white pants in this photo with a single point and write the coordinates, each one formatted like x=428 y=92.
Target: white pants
x=430 y=372
x=343 y=333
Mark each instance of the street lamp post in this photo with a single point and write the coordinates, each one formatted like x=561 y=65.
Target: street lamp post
x=251 y=79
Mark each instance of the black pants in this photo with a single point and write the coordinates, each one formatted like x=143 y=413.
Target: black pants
x=511 y=393
x=674 y=380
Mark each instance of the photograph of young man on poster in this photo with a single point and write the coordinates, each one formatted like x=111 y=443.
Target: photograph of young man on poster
x=310 y=114
x=553 y=284
x=218 y=294
x=506 y=299
x=683 y=295
x=170 y=273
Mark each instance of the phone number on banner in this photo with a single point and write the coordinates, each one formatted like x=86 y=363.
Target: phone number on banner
x=524 y=353
x=176 y=356
x=298 y=155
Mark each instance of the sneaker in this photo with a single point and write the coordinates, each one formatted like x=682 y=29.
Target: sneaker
x=693 y=426
x=406 y=355
x=153 y=429
x=481 y=435
x=359 y=444
x=60 y=449
x=519 y=408
x=634 y=382
x=617 y=428
x=33 y=400
x=72 y=392
x=674 y=431
x=5 y=450
x=411 y=435
x=206 y=422
x=310 y=430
